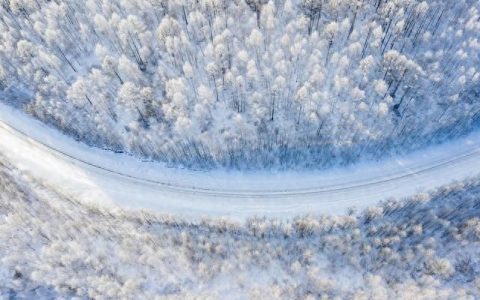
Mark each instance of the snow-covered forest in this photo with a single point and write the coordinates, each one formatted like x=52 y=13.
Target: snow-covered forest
x=246 y=83
x=262 y=86
x=427 y=247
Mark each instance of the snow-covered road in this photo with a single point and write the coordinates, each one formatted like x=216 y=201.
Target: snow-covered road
x=105 y=178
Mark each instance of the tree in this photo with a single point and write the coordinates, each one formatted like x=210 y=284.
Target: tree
x=131 y=108
x=316 y=82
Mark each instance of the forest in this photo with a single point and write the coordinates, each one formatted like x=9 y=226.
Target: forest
x=262 y=85
x=425 y=247
x=246 y=83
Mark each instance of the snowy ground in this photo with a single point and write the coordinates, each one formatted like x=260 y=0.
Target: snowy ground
x=102 y=177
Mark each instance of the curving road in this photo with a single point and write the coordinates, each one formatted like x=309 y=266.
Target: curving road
x=103 y=178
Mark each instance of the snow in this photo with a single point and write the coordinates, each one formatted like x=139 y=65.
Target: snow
x=424 y=248
x=101 y=177
x=262 y=89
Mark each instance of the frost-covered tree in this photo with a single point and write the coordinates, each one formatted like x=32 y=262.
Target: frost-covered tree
x=316 y=82
x=423 y=247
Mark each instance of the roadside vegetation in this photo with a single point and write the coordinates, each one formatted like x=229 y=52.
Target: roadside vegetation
x=424 y=247
x=246 y=84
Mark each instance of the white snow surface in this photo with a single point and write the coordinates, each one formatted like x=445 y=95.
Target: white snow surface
x=102 y=177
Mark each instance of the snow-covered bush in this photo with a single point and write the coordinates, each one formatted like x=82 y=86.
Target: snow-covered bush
x=52 y=247
x=247 y=83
